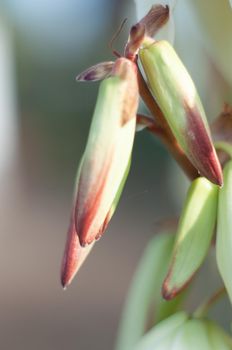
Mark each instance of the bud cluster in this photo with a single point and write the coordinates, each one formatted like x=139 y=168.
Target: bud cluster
x=103 y=170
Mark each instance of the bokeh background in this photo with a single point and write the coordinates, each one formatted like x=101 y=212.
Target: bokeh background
x=44 y=121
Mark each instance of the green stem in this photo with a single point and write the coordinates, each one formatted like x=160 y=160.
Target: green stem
x=204 y=308
x=224 y=146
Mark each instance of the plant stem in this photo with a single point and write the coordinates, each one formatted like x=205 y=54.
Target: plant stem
x=165 y=133
x=204 y=308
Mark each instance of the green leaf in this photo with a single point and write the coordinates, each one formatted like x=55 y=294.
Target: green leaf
x=161 y=336
x=224 y=230
x=145 y=288
x=194 y=235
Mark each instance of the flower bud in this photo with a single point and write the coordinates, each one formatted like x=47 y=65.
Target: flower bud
x=194 y=235
x=224 y=230
x=108 y=150
x=178 y=99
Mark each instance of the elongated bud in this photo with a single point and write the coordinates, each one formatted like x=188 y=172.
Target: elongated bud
x=178 y=99
x=108 y=150
x=194 y=235
x=224 y=230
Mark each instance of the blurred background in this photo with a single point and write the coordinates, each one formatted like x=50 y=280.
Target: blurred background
x=44 y=121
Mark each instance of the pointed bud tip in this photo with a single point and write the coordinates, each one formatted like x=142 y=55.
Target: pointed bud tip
x=167 y=293
x=66 y=277
x=170 y=292
x=216 y=175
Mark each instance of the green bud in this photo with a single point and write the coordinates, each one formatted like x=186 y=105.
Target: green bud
x=178 y=99
x=224 y=230
x=194 y=235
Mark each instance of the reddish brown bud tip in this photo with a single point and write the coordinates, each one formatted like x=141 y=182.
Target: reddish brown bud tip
x=74 y=256
x=166 y=293
x=170 y=293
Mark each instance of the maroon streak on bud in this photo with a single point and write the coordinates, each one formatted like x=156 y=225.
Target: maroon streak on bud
x=97 y=72
x=148 y=26
x=74 y=255
x=108 y=150
x=202 y=151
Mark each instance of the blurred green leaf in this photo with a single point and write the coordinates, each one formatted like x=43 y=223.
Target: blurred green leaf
x=215 y=18
x=161 y=336
x=146 y=290
x=224 y=230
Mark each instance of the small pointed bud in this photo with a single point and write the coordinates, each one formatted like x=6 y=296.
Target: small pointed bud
x=98 y=72
x=224 y=230
x=149 y=26
x=175 y=93
x=194 y=235
x=108 y=150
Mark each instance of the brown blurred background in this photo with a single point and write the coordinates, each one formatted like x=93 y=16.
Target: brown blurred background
x=44 y=121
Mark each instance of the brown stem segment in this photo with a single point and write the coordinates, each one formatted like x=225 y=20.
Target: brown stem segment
x=165 y=133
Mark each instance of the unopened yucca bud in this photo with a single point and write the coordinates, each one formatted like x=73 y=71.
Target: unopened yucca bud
x=224 y=230
x=194 y=235
x=175 y=92
x=108 y=150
